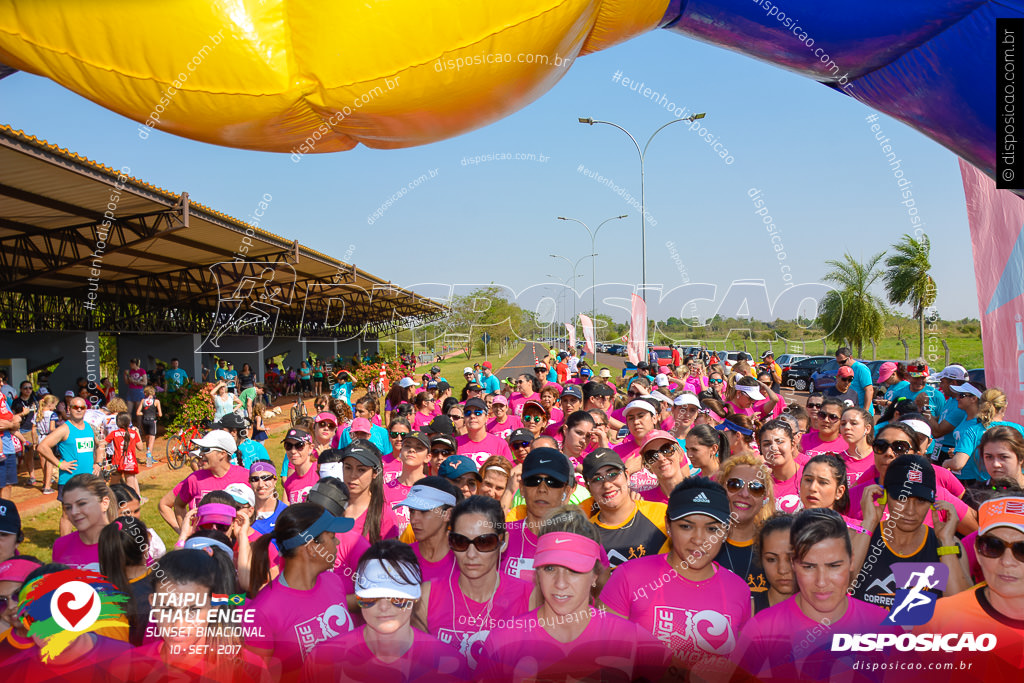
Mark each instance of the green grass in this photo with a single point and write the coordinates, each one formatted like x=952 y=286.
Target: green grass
x=452 y=369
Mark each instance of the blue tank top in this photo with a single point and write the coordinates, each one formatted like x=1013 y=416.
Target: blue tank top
x=79 y=448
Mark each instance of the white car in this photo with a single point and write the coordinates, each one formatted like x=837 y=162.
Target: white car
x=790 y=358
x=730 y=358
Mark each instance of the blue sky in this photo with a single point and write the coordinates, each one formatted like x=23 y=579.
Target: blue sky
x=810 y=151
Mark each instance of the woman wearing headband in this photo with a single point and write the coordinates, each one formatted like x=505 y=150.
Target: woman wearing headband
x=475 y=596
x=651 y=591
x=565 y=638
x=305 y=605
x=263 y=480
x=386 y=647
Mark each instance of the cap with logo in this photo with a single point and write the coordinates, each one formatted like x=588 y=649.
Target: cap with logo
x=218 y=439
x=709 y=498
x=363 y=452
x=10 y=518
x=454 y=466
x=445 y=440
x=423 y=497
x=572 y=391
x=442 y=424
x=532 y=403
x=844 y=371
x=598 y=458
x=431 y=384
x=520 y=435
x=563 y=549
x=326 y=417
x=242 y=494
x=917 y=370
x=232 y=421
x=910 y=475
x=661 y=380
x=956 y=373
x=549 y=461
x=1001 y=512
x=414 y=439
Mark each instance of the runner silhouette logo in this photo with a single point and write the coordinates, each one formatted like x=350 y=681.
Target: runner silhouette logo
x=918 y=585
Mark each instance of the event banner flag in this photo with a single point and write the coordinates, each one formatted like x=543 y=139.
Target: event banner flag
x=588 y=334
x=637 y=348
x=996 y=218
x=571 y=331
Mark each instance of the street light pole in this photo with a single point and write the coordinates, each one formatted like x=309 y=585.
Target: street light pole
x=574 y=266
x=643 y=211
x=593 y=264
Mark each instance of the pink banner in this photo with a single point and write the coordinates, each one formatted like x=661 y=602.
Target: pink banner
x=637 y=348
x=571 y=331
x=996 y=218
x=588 y=334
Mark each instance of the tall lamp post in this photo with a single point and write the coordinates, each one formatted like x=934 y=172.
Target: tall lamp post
x=565 y=284
x=643 y=213
x=593 y=264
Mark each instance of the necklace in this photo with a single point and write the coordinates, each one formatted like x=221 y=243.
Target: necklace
x=482 y=618
x=750 y=558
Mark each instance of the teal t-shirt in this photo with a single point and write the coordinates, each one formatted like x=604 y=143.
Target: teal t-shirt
x=967 y=437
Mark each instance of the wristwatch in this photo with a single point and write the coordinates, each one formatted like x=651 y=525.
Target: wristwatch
x=951 y=550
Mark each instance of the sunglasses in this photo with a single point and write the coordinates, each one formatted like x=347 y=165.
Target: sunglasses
x=459 y=416
x=665 y=451
x=536 y=480
x=487 y=543
x=736 y=485
x=532 y=418
x=400 y=603
x=74 y=407
x=602 y=478
x=397 y=435
x=829 y=417
x=715 y=381
x=520 y=444
x=881 y=446
x=600 y=424
x=254 y=480
x=326 y=423
x=441 y=452
x=475 y=412
x=292 y=446
x=993 y=547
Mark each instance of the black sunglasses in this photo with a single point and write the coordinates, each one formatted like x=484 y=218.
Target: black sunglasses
x=829 y=417
x=736 y=485
x=536 y=480
x=881 y=446
x=442 y=452
x=487 y=543
x=665 y=451
x=520 y=444
x=268 y=477
x=397 y=435
x=993 y=547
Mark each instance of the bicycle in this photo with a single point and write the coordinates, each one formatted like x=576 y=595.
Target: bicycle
x=179 y=445
x=299 y=411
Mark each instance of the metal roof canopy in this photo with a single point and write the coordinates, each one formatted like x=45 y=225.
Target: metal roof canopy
x=63 y=266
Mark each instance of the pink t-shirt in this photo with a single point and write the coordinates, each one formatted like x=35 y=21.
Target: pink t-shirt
x=394 y=493
x=700 y=621
x=433 y=571
x=782 y=643
x=196 y=485
x=655 y=495
x=71 y=551
x=516 y=401
x=787 y=493
x=609 y=649
x=392 y=470
x=108 y=660
x=421 y=420
x=855 y=468
x=504 y=429
x=812 y=444
x=290 y=623
x=349 y=659
x=351 y=547
x=297 y=488
x=453 y=618
x=479 y=451
x=388 y=523
x=517 y=559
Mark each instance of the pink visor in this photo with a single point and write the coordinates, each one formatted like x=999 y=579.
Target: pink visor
x=327 y=417
x=216 y=513
x=17 y=570
x=561 y=548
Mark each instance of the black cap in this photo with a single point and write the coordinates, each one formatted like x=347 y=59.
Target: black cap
x=364 y=452
x=547 y=461
x=443 y=386
x=232 y=421
x=572 y=390
x=418 y=437
x=434 y=369
x=697 y=496
x=331 y=494
x=521 y=434
x=446 y=439
x=601 y=457
x=642 y=365
x=10 y=518
x=442 y=424
x=597 y=389
x=910 y=475
x=478 y=403
x=473 y=386
x=297 y=434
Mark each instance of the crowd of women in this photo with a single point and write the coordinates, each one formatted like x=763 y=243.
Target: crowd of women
x=687 y=525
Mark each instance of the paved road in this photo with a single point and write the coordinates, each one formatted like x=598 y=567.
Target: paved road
x=523 y=361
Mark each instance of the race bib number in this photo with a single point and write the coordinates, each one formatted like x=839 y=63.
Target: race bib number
x=86 y=445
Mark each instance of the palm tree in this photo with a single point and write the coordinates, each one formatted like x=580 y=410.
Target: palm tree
x=852 y=312
x=907 y=280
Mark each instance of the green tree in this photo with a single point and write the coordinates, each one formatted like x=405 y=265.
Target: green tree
x=852 y=312
x=907 y=280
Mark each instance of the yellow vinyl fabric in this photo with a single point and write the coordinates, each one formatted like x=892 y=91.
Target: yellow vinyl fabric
x=311 y=77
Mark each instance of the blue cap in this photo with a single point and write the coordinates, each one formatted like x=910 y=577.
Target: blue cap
x=454 y=466
x=327 y=522
x=572 y=390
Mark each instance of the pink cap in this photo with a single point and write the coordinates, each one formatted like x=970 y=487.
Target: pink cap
x=885 y=371
x=360 y=424
x=657 y=435
x=564 y=549
x=216 y=513
x=16 y=569
x=326 y=417
x=499 y=400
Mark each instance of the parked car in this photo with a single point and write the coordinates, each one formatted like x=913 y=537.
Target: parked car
x=730 y=358
x=798 y=375
x=825 y=376
x=660 y=355
x=790 y=358
x=617 y=349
